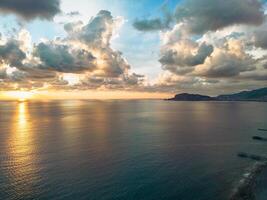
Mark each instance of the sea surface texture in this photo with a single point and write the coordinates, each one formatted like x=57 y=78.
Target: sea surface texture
x=134 y=150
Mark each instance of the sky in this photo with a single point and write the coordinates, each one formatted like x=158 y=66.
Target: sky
x=131 y=49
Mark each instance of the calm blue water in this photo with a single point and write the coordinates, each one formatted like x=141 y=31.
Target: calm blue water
x=111 y=150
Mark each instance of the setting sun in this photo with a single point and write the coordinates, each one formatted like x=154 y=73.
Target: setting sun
x=20 y=95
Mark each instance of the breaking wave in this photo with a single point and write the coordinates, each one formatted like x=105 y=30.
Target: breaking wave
x=246 y=186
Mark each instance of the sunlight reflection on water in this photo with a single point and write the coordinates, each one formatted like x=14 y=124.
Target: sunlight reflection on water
x=22 y=169
x=125 y=149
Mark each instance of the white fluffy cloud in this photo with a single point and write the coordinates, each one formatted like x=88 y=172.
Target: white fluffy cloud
x=209 y=48
x=86 y=52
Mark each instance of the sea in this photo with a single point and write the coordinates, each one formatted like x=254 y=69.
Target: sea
x=129 y=149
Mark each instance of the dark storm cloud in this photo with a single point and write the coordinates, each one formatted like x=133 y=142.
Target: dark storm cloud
x=62 y=58
x=201 y=16
x=30 y=9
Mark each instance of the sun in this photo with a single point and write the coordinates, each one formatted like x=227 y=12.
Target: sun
x=20 y=95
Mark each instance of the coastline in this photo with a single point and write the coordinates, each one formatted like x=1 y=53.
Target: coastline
x=248 y=186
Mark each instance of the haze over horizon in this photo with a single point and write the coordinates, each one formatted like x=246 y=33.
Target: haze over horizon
x=127 y=49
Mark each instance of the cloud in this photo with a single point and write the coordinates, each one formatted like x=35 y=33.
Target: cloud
x=212 y=44
x=151 y=24
x=194 y=58
x=124 y=82
x=185 y=53
x=31 y=9
x=201 y=16
x=226 y=64
x=260 y=39
x=11 y=54
x=95 y=36
x=169 y=82
x=98 y=31
x=232 y=57
x=34 y=73
x=260 y=75
x=85 y=53
x=73 y=27
x=155 y=24
x=3 y=73
x=73 y=13
x=211 y=61
x=64 y=58
x=133 y=79
x=180 y=54
x=258 y=36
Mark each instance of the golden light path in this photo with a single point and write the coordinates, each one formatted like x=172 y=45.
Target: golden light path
x=23 y=171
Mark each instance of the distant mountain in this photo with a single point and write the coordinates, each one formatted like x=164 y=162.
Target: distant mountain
x=191 y=97
x=254 y=95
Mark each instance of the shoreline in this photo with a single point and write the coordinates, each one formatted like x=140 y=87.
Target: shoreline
x=247 y=186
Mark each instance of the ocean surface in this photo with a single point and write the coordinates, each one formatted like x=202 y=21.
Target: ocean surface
x=127 y=150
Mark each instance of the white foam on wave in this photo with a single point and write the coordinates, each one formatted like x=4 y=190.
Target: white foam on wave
x=245 y=188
